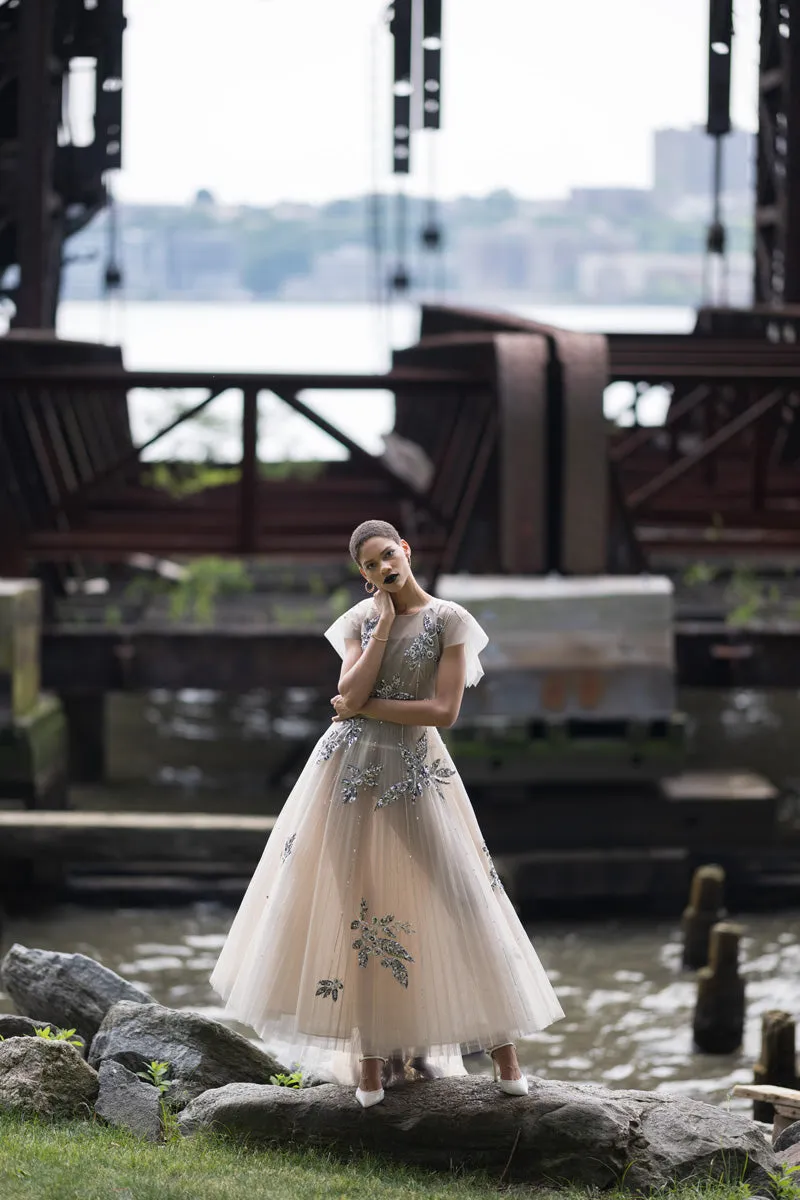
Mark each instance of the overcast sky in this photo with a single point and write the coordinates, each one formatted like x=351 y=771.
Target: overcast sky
x=278 y=102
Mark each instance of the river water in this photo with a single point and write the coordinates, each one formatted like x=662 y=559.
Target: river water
x=628 y=1004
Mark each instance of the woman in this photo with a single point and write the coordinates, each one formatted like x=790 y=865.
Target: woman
x=375 y=928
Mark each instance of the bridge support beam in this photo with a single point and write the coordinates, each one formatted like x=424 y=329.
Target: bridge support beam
x=777 y=257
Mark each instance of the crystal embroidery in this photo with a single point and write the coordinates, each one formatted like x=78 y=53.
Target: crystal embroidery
x=494 y=878
x=344 y=733
x=425 y=644
x=358 y=777
x=287 y=847
x=419 y=774
x=329 y=987
x=366 y=631
x=391 y=689
x=378 y=937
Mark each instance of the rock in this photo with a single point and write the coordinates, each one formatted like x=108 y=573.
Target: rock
x=577 y=1133
x=790 y=1157
x=12 y=1025
x=790 y=1136
x=311 y=1079
x=202 y=1053
x=128 y=1102
x=74 y=989
x=45 y=1079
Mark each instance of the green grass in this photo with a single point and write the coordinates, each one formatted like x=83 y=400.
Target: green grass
x=90 y=1161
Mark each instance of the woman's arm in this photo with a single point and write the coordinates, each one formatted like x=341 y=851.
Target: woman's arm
x=441 y=710
x=360 y=669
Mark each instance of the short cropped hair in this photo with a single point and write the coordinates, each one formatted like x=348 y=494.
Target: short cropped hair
x=370 y=529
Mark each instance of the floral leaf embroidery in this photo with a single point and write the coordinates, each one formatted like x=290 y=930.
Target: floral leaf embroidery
x=287 y=847
x=378 y=936
x=494 y=878
x=419 y=774
x=366 y=631
x=358 y=777
x=329 y=987
x=343 y=733
x=390 y=689
x=425 y=644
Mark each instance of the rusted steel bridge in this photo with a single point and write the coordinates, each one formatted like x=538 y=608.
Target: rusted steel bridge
x=501 y=458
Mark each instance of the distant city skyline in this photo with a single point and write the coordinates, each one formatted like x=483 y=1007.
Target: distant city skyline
x=286 y=100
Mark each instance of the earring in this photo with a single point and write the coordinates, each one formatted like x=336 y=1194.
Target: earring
x=370 y=587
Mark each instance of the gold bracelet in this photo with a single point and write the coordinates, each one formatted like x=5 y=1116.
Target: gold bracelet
x=377 y=639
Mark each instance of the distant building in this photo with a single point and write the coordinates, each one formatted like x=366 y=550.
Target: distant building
x=639 y=277
x=345 y=273
x=615 y=203
x=496 y=259
x=683 y=160
x=202 y=264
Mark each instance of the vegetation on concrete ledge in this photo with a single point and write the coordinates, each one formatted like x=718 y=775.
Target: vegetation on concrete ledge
x=91 y=1161
x=745 y=595
x=181 y=479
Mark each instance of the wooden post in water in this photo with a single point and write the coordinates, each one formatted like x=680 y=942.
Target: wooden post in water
x=778 y=1063
x=719 y=1012
x=705 y=908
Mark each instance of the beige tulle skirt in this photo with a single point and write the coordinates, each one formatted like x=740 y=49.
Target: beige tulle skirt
x=375 y=922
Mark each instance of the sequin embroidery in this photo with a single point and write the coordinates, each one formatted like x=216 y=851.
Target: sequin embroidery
x=343 y=733
x=370 y=623
x=329 y=987
x=391 y=689
x=287 y=847
x=494 y=878
x=425 y=644
x=419 y=774
x=379 y=937
x=358 y=777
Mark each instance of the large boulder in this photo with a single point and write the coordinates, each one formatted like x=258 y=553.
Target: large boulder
x=201 y=1053
x=790 y=1136
x=76 y=991
x=790 y=1160
x=45 y=1079
x=577 y=1133
x=128 y=1102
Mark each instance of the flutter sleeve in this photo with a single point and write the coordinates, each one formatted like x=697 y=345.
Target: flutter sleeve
x=348 y=625
x=461 y=628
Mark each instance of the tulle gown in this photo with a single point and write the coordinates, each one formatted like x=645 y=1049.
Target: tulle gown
x=375 y=921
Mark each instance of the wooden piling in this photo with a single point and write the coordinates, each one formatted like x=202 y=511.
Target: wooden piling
x=86 y=728
x=719 y=1011
x=777 y=1063
x=705 y=909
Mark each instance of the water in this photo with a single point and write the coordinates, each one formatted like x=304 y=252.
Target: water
x=205 y=751
x=628 y=1006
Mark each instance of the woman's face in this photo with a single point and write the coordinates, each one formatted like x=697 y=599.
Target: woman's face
x=385 y=562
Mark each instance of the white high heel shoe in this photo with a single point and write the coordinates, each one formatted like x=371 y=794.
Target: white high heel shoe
x=367 y=1099
x=512 y=1087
